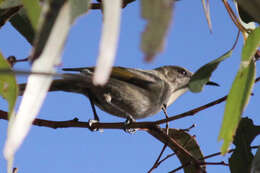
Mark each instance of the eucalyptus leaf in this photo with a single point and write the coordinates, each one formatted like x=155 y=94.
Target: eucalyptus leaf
x=158 y=15
x=202 y=75
x=78 y=8
x=56 y=21
x=22 y=23
x=242 y=157
x=250 y=47
x=33 y=10
x=6 y=14
x=8 y=86
x=236 y=101
x=189 y=143
x=239 y=94
x=9 y=3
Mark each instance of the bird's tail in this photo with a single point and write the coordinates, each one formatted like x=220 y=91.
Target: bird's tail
x=70 y=83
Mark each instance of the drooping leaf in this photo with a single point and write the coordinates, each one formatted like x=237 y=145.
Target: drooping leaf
x=8 y=86
x=250 y=47
x=6 y=14
x=108 y=43
x=55 y=23
x=236 y=101
x=241 y=159
x=189 y=143
x=9 y=3
x=78 y=8
x=202 y=75
x=240 y=91
x=22 y=24
x=46 y=23
x=33 y=10
x=158 y=15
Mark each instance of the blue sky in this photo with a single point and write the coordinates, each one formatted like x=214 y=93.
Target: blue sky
x=189 y=44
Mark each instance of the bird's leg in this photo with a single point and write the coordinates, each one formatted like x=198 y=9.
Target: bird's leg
x=96 y=118
x=129 y=120
x=164 y=107
x=166 y=116
x=94 y=109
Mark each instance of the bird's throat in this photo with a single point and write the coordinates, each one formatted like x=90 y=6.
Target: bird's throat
x=175 y=95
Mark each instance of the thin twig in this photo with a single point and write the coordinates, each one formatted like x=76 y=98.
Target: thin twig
x=229 y=151
x=191 y=112
x=234 y=17
x=203 y=163
x=165 y=158
x=161 y=135
x=189 y=128
x=166 y=116
x=215 y=163
x=156 y=164
x=209 y=156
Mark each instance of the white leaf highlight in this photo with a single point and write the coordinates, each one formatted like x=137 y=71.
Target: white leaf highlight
x=108 y=43
x=37 y=86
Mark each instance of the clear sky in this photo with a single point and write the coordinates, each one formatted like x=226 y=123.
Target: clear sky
x=189 y=44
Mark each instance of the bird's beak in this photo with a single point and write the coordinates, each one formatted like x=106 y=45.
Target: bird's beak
x=212 y=83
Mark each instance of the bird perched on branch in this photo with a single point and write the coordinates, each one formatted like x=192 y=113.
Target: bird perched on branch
x=129 y=93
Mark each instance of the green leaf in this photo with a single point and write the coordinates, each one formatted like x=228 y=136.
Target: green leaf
x=55 y=23
x=241 y=159
x=239 y=94
x=8 y=86
x=33 y=10
x=251 y=45
x=202 y=75
x=6 y=14
x=22 y=24
x=189 y=143
x=9 y=3
x=237 y=100
x=78 y=8
x=158 y=15
x=53 y=8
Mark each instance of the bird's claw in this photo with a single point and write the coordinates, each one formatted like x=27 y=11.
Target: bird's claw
x=128 y=122
x=91 y=122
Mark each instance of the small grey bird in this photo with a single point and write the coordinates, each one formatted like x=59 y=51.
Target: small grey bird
x=129 y=93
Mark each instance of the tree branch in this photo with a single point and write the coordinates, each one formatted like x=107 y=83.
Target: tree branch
x=162 y=136
x=137 y=125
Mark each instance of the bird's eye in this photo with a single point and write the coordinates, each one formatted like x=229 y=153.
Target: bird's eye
x=182 y=71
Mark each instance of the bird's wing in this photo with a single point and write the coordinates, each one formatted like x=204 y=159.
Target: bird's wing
x=133 y=75
x=142 y=78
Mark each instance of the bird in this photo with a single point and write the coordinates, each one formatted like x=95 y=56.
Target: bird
x=130 y=93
